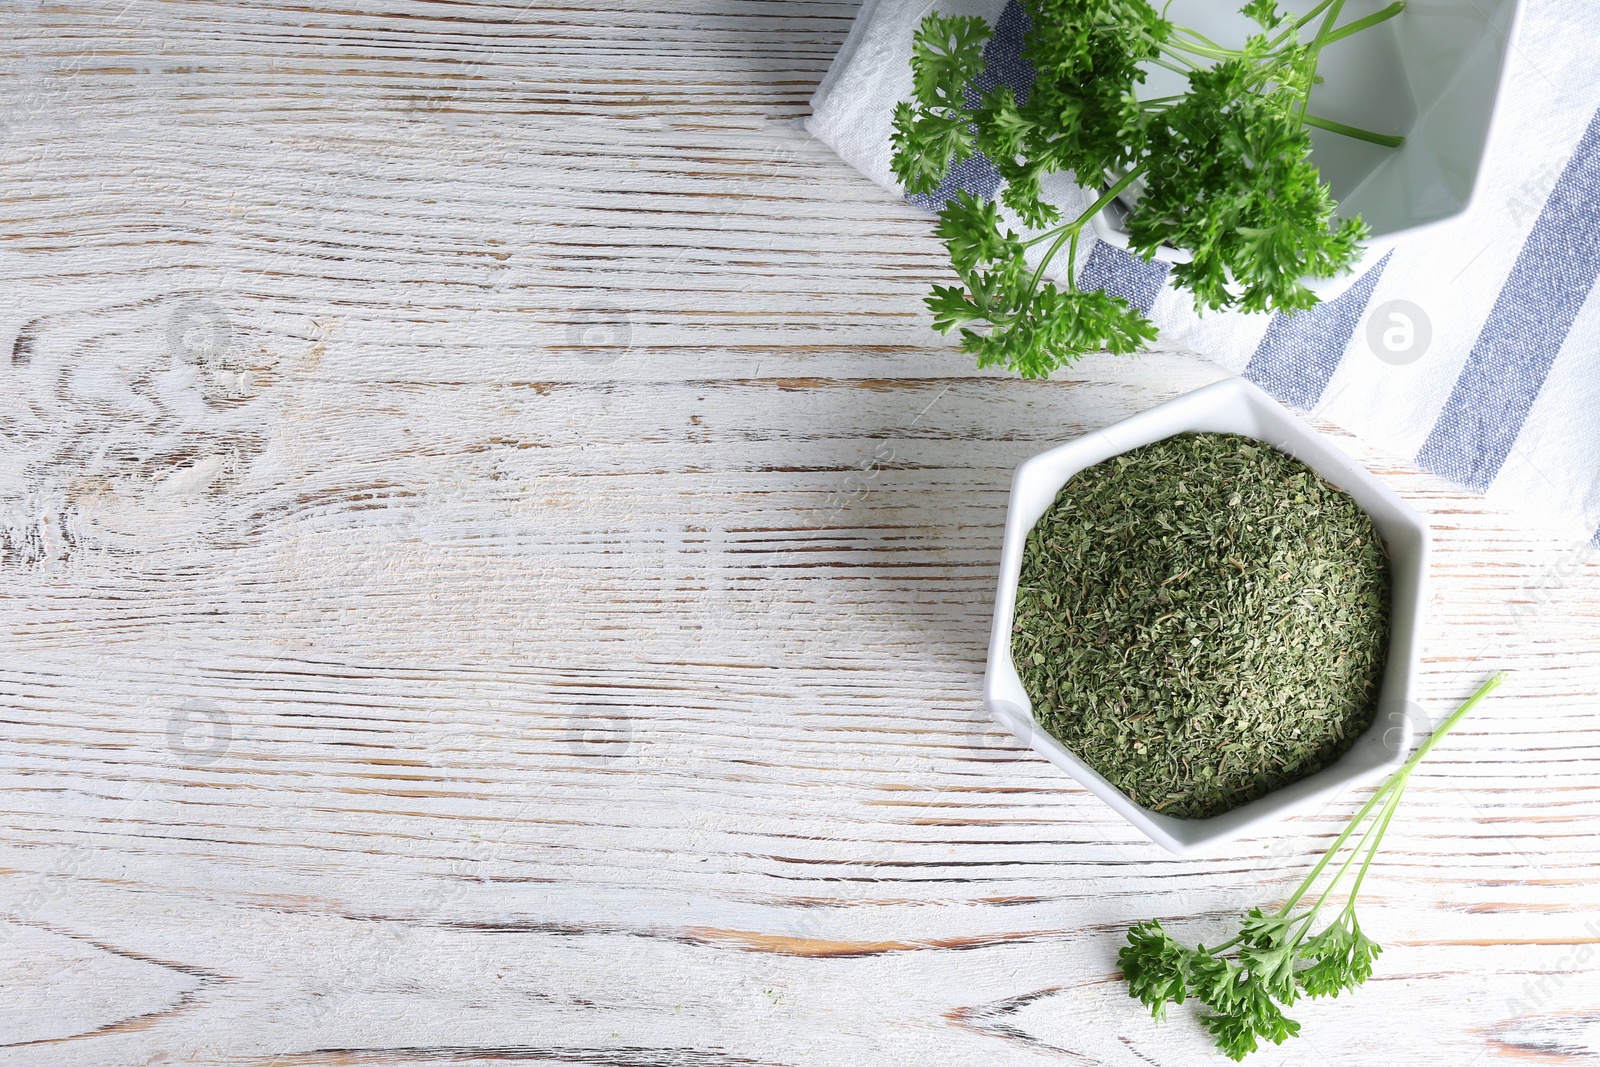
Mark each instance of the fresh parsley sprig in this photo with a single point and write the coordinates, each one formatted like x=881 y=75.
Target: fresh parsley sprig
x=1275 y=957
x=1222 y=171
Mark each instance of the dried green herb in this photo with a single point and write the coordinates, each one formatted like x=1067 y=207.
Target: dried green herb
x=1203 y=620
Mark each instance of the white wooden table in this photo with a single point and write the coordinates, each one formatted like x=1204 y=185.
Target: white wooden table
x=497 y=569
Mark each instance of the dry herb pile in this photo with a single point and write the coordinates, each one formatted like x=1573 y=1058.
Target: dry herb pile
x=1203 y=620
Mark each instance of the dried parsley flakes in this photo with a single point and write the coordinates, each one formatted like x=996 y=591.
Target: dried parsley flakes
x=1203 y=620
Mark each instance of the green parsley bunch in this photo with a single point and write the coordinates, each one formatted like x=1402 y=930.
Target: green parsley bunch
x=1246 y=983
x=1222 y=171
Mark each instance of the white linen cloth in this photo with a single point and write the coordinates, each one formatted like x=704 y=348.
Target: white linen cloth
x=1496 y=384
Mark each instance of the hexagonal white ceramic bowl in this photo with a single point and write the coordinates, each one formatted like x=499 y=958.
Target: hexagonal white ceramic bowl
x=1230 y=406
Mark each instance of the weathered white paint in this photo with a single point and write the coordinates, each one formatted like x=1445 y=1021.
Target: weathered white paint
x=496 y=568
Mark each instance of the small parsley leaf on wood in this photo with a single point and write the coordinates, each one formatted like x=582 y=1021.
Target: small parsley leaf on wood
x=1276 y=957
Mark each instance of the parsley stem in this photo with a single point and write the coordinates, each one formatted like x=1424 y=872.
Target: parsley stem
x=1384 y=139
x=1184 y=70
x=1396 y=783
x=1367 y=842
x=1299 y=23
x=1364 y=23
x=1203 y=39
x=1333 y=849
x=1066 y=228
x=1382 y=827
x=1449 y=724
x=1070 y=230
x=1197 y=49
x=1315 y=49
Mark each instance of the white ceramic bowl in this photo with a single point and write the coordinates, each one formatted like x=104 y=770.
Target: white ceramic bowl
x=1230 y=406
x=1432 y=74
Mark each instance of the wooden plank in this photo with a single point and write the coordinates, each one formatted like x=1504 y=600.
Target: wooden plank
x=496 y=568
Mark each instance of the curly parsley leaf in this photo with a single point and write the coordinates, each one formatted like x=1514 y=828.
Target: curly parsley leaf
x=1264 y=12
x=1033 y=328
x=947 y=52
x=1156 y=967
x=1224 y=169
x=1340 y=958
x=1232 y=183
x=1050 y=328
x=1253 y=1016
x=934 y=132
x=1276 y=957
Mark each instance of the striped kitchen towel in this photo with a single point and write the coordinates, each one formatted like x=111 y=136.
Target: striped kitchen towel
x=1492 y=382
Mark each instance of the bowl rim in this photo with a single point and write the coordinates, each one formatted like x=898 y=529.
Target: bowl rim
x=1380 y=750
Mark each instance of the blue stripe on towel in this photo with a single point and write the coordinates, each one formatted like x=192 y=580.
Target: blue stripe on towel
x=1299 y=353
x=1121 y=273
x=978 y=176
x=1526 y=328
x=1002 y=56
x=1594 y=542
x=1003 y=65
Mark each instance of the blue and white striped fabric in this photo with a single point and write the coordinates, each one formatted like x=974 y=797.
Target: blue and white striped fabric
x=1501 y=391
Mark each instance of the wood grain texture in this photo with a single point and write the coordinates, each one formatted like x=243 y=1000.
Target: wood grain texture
x=497 y=569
